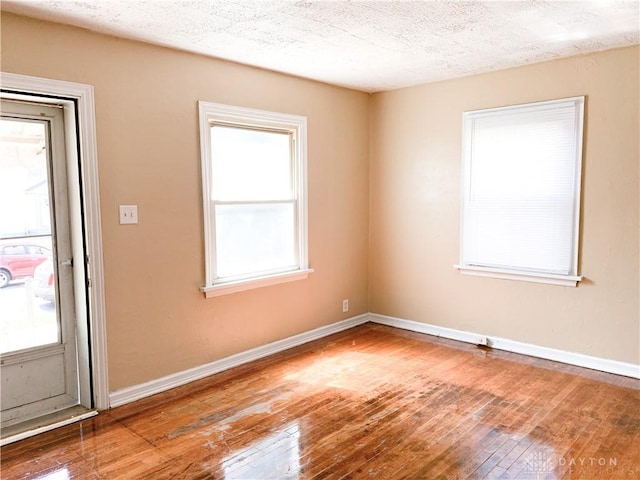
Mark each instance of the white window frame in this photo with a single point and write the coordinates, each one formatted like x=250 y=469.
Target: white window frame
x=218 y=114
x=570 y=279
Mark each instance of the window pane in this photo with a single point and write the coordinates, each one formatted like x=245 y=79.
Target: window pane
x=524 y=157
x=24 y=187
x=28 y=316
x=254 y=238
x=520 y=235
x=250 y=164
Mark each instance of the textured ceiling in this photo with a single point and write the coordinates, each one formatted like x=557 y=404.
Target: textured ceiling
x=365 y=45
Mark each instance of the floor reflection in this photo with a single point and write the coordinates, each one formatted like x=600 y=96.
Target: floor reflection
x=276 y=456
x=62 y=474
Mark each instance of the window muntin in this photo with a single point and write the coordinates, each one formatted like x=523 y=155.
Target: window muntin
x=521 y=191
x=254 y=179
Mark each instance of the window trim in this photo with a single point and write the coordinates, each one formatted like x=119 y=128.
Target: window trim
x=220 y=114
x=534 y=277
x=572 y=278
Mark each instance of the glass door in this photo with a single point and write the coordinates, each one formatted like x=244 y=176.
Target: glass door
x=38 y=355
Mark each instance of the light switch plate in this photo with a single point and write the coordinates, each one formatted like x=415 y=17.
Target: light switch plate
x=128 y=214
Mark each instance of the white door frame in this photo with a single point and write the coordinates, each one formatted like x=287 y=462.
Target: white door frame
x=79 y=109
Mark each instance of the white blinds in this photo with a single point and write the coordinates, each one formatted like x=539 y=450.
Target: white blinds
x=522 y=187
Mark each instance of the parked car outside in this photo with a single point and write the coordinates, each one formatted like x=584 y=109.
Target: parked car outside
x=18 y=261
x=44 y=281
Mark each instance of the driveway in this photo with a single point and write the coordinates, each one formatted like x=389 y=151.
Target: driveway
x=25 y=321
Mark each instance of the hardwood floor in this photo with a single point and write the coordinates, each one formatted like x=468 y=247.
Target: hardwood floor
x=370 y=403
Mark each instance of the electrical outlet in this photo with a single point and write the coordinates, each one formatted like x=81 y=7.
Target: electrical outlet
x=345 y=305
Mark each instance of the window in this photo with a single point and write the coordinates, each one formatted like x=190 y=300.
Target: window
x=254 y=184
x=521 y=192
x=15 y=250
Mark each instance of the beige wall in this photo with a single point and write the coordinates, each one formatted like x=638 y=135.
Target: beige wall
x=415 y=202
x=158 y=322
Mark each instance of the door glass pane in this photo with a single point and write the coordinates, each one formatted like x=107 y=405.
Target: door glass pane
x=254 y=238
x=27 y=282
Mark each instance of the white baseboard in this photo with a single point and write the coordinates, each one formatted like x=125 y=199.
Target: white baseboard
x=136 y=392
x=577 y=359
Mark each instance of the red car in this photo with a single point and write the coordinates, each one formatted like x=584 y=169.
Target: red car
x=20 y=261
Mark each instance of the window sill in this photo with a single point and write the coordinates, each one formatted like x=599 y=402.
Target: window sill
x=257 y=282
x=548 y=278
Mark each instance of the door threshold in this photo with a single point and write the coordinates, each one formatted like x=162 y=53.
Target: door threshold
x=45 y=423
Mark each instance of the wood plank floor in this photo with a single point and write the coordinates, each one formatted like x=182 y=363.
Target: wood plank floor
x=370 y=403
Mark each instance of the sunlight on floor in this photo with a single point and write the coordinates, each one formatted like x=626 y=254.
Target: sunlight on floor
x=348 y=371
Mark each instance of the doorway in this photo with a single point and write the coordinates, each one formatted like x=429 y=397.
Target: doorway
x=52 y=347
x=39 y=366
